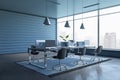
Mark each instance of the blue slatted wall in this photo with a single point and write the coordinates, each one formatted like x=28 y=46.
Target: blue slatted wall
x=19 y=31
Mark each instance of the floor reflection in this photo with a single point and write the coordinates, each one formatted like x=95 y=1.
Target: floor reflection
x=88 y=73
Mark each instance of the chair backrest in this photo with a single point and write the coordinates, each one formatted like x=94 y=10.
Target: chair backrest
x=33 y=46
x=62 y=53
x=99 y=50
x=83 y=50
x=34 y=52
x=71 y=43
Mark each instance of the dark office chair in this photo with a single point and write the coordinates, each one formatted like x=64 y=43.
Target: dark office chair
x=81 y=52
x=33 y=52
x=96 y=53
x=41 y=46
x=71 y=43
x=62 y=54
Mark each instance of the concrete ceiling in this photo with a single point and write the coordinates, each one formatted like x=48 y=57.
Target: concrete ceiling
x=77 y=8
x=36 y=7
x=55 y=8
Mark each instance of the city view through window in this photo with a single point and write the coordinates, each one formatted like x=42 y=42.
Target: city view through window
x=109 y=24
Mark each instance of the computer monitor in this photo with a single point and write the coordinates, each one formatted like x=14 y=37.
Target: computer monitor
x=50 y=43
x=71 y=43
x=64 y=44
x=40 y=43
x=81 y=43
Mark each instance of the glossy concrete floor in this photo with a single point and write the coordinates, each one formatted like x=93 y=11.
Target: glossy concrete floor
x=9 y=70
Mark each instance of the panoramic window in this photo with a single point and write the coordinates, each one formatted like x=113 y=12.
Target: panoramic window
x=89 y=34
x=109 y=28
x=109 y=35
x=63 y=31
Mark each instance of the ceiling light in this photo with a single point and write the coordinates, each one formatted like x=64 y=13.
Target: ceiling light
x=67 y=23
x=82 y=25
x=47 y=20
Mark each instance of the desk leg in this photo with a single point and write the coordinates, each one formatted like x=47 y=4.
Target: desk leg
x=30 y=59
x=29 y=56
x=45 y=59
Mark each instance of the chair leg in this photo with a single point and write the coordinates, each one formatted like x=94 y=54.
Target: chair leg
x=60 y=66
x=80 y=60
x=94 y=57
x=30 y=59
x=83 y=62
x=34 y=59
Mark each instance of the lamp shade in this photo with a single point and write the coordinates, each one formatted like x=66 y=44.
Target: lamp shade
x=47 y=21
x=82 y=26
x=67 y=24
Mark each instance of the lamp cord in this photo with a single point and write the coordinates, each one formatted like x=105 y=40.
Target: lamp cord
x=82 y=11
x=46 y=7
x=98 y=22
x=73 y=18
x=67 y=10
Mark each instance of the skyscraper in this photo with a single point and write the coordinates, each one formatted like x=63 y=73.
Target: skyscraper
x=110 y=40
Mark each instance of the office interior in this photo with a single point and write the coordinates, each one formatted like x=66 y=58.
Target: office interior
x=22 y=24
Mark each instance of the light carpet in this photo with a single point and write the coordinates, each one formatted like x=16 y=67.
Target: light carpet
x=70 y=63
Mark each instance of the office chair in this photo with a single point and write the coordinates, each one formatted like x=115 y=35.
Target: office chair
x=81 y=52
x=96 y=53
x=36 y=49
x=40 y=44
x=62 y=54
x=71 y=43
x=33 y=52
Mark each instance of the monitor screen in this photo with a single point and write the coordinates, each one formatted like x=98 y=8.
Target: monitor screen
x=40 y=43
x=50 y=43
x=80 y=43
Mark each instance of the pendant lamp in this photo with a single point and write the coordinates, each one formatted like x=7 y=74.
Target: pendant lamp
x=67 y=23
x=47 y=20
x=82 y=25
